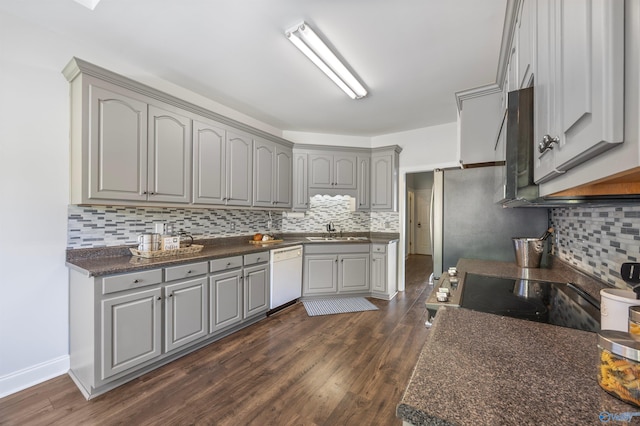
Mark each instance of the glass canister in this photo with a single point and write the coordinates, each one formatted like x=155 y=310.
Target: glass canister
x=619 y=369
x=634 y=322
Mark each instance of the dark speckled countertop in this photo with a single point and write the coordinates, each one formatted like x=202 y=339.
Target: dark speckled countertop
x=483 y=369
x=114 y=260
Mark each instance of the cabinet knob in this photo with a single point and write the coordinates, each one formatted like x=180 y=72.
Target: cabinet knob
x=228 y=263
x=159 y=298
x=144 y=192
x=171 y=295
x=547 y=144
x=257 y=259
x=136 y=281
x=189 y=271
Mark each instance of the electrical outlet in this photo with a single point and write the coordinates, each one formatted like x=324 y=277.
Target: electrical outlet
x=386 y=225
x=269 y=224
x=232 y=226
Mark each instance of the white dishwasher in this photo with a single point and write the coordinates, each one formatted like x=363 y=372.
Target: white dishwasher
x=286 y=275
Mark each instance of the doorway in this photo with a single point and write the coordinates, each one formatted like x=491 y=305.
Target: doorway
x=419 y=186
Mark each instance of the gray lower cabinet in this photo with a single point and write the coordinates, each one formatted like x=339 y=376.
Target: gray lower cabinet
x=124 y=325
x=225 y=300
x=384 y=284
x=185 y=312
x=256 y=290
x=131 y=327
x=336 y=269
x=353 y=273
x=320 y=274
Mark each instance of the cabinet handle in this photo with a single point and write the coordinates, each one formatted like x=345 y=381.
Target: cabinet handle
x=547 y=144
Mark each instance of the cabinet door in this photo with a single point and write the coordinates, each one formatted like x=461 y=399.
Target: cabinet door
x=381 y=182
x=321 y=171
x=364 y=183
x=225 y=300
x=525 y=34
x=345 y=171
x=320 y=274
x=591 y=79
x=379 y=273
x=185 y=313
x=353 y=273
x=300 y=182
x=169 y=157
x=209 y=165
x=264 y=161
x=117 y=146
x=239 y=169
x=544 y=99
x=283 y=177
x=256 y=290
x=131 y=333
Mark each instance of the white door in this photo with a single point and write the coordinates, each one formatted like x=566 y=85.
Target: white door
x=421 y=221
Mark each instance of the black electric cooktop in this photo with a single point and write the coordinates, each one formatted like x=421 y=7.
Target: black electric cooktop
x=560 y=304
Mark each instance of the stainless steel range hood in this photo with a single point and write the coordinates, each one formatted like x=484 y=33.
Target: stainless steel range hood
x=519 y=188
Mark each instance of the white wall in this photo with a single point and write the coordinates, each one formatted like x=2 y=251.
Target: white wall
x=34 y=188
x=326 y=139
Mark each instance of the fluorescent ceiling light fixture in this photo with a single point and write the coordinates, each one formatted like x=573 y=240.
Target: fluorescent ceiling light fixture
x=303 y=37
x=89 y=4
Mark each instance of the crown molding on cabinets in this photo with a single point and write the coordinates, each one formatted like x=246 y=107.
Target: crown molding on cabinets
x=78 y=66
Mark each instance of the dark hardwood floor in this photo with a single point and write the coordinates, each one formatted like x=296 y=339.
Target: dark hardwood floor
x=287 y=369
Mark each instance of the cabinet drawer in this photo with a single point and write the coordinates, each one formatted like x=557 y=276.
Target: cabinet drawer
x=225 y=263
x=379 y=248
x=185 y=271
x=130 y=281
x=254 y=258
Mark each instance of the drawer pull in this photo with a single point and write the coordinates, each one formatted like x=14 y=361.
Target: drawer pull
x=228 y=263
x=258 y=260
x=189 y=271
x=136 y=281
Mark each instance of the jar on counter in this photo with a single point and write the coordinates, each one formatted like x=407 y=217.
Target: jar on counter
x=619 y=369
x=634 y=322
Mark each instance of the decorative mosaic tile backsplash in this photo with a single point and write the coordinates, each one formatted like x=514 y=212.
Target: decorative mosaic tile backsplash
x=106 y=226
x=598 y=240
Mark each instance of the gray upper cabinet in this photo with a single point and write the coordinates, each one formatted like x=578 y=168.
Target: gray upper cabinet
x=480 y=113
x=384 y=179
x=134 y=145
x=300 y=182
x=222 y=165
x=209 y=163
x=117 y=163
x=332 y=171
x=272 y=174
x=363 y=196
x=239 y=169
x=169 y=156
x=137 y=151
x=579 y=83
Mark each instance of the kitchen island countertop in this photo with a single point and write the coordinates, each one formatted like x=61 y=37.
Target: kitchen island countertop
x=483 y=369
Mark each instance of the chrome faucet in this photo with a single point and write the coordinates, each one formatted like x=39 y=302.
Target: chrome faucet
x=330 y=228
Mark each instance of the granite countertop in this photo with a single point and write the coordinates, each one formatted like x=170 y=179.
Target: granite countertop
x=114 y=260
x=480 y=368
x=484 y=369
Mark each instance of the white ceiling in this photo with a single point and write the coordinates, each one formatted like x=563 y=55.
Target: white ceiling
x=412 y=55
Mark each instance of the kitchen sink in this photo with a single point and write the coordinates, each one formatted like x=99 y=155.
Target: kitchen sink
x=337 y=239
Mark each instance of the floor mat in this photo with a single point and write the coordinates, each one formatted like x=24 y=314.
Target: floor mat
x=337 y=306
